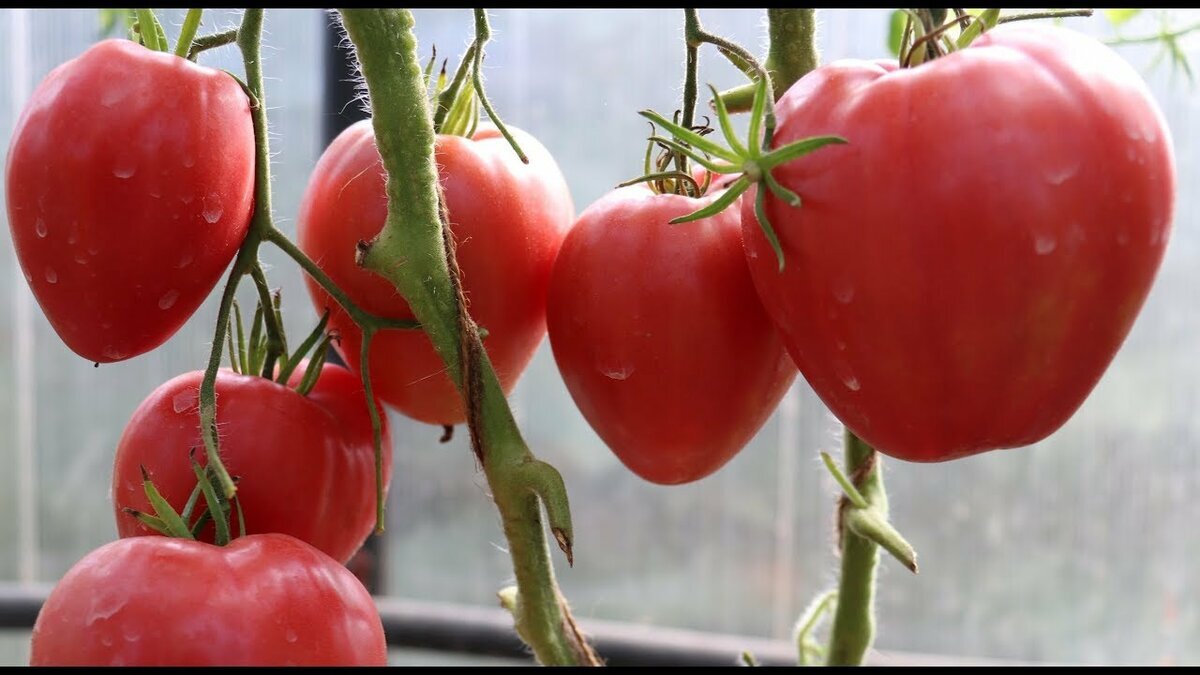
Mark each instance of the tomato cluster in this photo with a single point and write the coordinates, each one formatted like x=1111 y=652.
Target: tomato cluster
x=130 y=184
x=958 y=277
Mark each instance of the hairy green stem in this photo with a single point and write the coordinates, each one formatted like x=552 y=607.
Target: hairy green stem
x=190 y=24
x=791 y=55
x=415 y=253
x=854 y=620
x=206 y=42
x=691 y=28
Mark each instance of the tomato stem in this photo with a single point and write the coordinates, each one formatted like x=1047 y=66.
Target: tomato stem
x=191 y=23
x=791 y=55
x=206 y=42
x=364 y=369
x=363 y=318
x=415 y=232
x=483 y=32
x=809 y=651
x=150 y=30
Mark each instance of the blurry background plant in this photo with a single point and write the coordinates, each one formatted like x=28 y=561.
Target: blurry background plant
x=1075 y=550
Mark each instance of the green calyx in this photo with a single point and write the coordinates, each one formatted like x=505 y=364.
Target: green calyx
x=166 y=521
x=265 y=353
x=751 y=160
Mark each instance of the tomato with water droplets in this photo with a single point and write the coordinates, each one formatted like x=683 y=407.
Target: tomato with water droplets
x=962 y=272
x=130 y=182
x=263 y=600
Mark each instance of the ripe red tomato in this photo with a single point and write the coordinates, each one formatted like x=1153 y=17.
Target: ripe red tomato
x=963 y=271
x=263 y=600
x=660 y=337
x=508 y=219
x=130 y=184
x=307 y=463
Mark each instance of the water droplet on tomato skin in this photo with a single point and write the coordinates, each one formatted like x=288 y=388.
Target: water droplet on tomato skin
x=212 y=208
x=124 y=168
x=168 y=299
x=184 y=261
x=185 y=400
x=851 y=383
x=51 y=275
x=81 y=259
x=844 y=292
x=189 y=161
x=619 y=374
x=1044 y=244
x=40 y=228
x=1059 y=175
x=112 y=353
x=291 y=635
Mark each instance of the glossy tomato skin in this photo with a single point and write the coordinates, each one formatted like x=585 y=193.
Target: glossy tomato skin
x=306 y=463
x=660 y=337
x=508 y=219
x=961 y=274
x=263 y=600
x=130 y=182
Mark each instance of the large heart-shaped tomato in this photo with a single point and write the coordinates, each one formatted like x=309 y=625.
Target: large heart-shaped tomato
x=130 y=186
x=508 y=219
x=306 y=463
x=963 y=271
x=660 y=337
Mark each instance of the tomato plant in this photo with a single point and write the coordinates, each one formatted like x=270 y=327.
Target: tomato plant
x=129 y=187
x=659 y=335
x=263 y=600
x=306 y=462
x=963 y=271
x=508 y=220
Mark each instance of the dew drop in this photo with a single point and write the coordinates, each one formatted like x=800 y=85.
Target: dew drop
x=843 y=292
x=189 y=161
x=291 y=636
x=186 y=199
x=93 y=249
x=155 y=193
x=619 y=374
x=841 y=346
x=212 y=208
x=185 y=400
x=73 y=233
x=184 y=261
x=168 y=299
x=125 y=167
x=1044 y=244
x=1060 y=174
x=111 y=352
x=81 y=258
x=40 y=228
x=851 y=383
x=51 y=275
x=106 y=640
